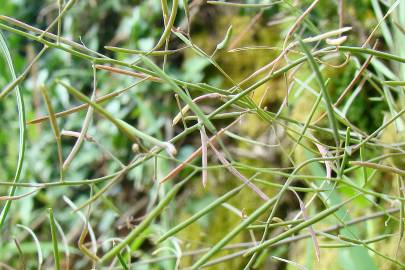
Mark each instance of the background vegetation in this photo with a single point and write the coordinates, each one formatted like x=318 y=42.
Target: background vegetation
x=202 y=134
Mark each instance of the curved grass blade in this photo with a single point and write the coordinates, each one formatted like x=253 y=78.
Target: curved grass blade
x=21 y=124
x=86 y=230
x=37 y=244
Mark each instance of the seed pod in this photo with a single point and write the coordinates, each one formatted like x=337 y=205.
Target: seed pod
x=336 y=41
x=135 y=148
x=224 y=43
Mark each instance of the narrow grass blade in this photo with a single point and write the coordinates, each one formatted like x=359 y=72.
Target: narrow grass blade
x=54 y=239
x=292 y=263
x=328 y=101
x=187 y=12
x=381 y=22
x=65 y=245
x=21 y=125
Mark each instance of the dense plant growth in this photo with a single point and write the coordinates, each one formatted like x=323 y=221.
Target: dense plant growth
x=202 y=134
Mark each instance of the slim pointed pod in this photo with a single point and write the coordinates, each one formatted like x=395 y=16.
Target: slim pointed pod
x=224 y=43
